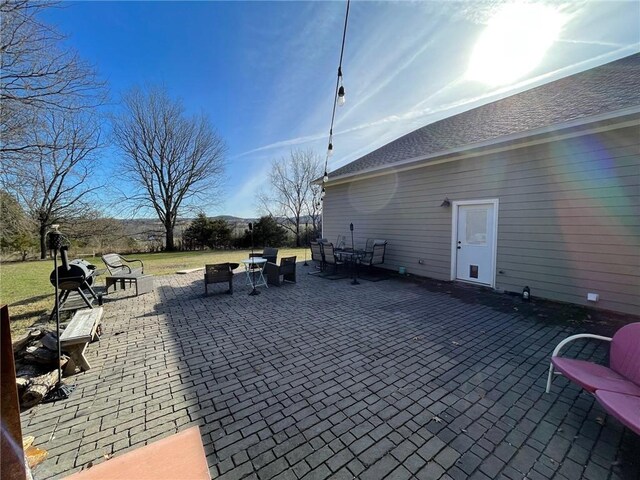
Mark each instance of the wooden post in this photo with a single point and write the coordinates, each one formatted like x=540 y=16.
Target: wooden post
x=12 y=466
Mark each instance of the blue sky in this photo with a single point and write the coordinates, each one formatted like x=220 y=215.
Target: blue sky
x=264 y=72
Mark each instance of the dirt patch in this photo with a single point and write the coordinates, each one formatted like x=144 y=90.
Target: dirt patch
x=591 y=320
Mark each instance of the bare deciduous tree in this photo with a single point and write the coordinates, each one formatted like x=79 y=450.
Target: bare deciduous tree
x=292 y=195
x=171 y=159
x=37 y=76
x=314 y=211
x=54 y=184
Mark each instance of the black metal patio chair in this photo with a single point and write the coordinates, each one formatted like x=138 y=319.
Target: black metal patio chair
x=376 y=255
x=316 y=256
x=330 y=258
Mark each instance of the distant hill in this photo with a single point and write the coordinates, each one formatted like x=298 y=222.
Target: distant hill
x=231 y=218
x=143 y=229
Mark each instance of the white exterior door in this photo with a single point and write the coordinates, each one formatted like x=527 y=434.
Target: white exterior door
x=474 y=241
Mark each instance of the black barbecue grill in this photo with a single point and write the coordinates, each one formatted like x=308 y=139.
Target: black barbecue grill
x=74 y=276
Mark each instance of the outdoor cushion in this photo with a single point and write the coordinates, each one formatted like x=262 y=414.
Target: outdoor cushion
x=592 y=377
x=625 y=352
x=625 y=408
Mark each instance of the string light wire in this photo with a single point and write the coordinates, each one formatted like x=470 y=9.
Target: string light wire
x=339 y=87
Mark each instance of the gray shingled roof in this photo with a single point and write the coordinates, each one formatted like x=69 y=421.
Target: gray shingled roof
x=607 y=88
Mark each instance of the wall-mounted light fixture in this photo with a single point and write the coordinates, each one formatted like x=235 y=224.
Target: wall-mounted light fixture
x=446 y=202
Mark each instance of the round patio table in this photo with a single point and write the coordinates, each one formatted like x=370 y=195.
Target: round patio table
x=254 y=268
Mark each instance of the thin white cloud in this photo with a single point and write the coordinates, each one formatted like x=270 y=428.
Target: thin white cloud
x=384 y=84
x=591 y=42
x=291 y=142
x=254 y=180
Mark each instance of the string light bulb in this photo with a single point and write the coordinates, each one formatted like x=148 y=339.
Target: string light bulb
x=325 y=179
x=330 y=149
x=322 y=194
x=341 y=97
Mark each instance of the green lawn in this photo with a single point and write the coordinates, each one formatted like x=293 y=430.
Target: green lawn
x=25 y=286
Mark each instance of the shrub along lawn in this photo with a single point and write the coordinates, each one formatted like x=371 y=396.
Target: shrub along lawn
x=25 y=286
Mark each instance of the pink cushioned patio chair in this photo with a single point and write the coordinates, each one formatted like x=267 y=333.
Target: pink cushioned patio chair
x=616 y=387
x=623 y=373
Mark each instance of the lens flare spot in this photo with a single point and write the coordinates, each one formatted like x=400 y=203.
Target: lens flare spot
x=514 y=43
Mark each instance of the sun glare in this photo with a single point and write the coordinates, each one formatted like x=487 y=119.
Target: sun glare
x=514 y=43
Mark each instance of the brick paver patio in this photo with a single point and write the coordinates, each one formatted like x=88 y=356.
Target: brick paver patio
x=323 y=379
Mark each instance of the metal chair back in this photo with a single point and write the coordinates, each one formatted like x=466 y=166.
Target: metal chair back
x=316 y=252
x=328 y=253
x=369 y=245
x=376 y=256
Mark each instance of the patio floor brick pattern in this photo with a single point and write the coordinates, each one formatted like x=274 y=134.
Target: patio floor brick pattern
x=323 y=379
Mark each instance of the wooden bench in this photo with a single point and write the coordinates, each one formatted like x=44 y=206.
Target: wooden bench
x=82 y=330
x=143 y=283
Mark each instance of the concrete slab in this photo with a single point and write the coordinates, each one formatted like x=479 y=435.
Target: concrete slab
x=190 y=270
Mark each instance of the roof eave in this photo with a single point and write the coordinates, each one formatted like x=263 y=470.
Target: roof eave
x=545 y=134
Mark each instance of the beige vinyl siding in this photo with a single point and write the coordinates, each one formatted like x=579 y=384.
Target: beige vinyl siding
x=568 y=217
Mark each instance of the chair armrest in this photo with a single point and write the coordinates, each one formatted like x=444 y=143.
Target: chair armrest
x=271 y=268
x=556 y=350
x=133 y=260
